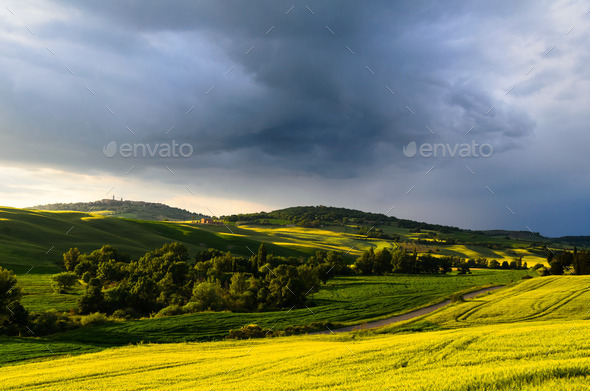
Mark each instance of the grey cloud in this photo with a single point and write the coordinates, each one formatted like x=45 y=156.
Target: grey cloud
x=298 y=104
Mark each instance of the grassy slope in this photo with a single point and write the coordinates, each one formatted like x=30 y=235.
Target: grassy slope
x=557 y=298
x=523 y=356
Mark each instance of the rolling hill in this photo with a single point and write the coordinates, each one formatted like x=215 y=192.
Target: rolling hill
x=139 y=210
x=30 y=238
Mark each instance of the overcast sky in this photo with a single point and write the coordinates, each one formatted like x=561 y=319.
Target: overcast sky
x=273 y=104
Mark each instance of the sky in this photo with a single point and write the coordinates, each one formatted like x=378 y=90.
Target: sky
x=471 y=114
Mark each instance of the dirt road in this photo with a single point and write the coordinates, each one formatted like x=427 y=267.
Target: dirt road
x=407 y=316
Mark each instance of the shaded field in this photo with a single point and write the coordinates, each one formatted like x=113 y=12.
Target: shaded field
x=38 y=295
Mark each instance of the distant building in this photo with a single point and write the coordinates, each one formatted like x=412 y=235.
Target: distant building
x=207 y=220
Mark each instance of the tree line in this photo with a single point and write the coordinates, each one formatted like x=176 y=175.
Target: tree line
x=574 y=262
x=386 y=261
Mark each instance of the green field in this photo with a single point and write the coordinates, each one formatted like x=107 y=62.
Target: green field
x=344 y=300
x=38 y=294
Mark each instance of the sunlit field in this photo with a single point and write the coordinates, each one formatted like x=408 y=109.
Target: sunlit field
x=520 y=356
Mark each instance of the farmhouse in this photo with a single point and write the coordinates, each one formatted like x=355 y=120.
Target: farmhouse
x=207 y=220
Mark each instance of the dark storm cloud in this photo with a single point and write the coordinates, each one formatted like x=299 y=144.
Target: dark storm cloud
x=300 y=98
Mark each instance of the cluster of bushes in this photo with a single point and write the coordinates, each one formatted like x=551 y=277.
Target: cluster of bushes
x=255 y=331
x=373 y=232
x=165 y=282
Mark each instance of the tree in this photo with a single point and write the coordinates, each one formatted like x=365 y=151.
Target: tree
x=446 y=264
x=179 y=272
x=262 y=255
x=11 y=312
x=584 y=262
x=110 y=270
x=238 y=284
x=382 y=263
x=325 y=272
x=144 y=295
x=463 y=268
x=85 y=265
x=513 y=265
x=63 y=282
x=93 y=298
x=209 y=295
x=208 y=254
x=402 y=262
x=9 y=292
x=566 y=258
x=105 y=254
x=335 y=260
x=18 y=318
x=71 y=258
x=286 y=288
x=364 y=264
x=556 y=268
x=429 y=264
x=493 y=264
x=117 y=298
x=310 y=278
